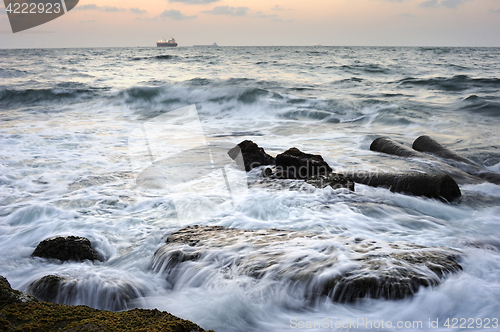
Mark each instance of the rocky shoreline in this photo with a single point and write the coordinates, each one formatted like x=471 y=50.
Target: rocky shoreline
x=20 y=311
x=312 y=266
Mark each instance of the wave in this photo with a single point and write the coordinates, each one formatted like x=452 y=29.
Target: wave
x=27 y=97
x=455 y=83
x=489 y=106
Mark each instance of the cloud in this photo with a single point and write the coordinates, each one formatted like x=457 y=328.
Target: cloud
x=112 y=9
x=88 y=7
x=278 y=8
x=272 y=17
x=495 y=11
x=429 y=4
x=227 y=10
x=444 y=3
x=175 y=15
x=453 y=3
x=138 y=11
x=406 y=15
x=194 y=2
x=89 y=21
x=92 y=6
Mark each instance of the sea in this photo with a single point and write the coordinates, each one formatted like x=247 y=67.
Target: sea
x=80 y=126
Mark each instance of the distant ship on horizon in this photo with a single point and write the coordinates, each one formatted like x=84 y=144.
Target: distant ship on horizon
x=213 y=45
x=166 y=43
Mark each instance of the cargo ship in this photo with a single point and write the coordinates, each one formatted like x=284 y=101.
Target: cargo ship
x=166 y=43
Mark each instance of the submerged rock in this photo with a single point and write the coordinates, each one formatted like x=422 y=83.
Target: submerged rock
x=295 y=164
x=97 y=291
x=66 y=248
x=311 y=265
x=47 y=288
x=439 y=186
x=253 y=155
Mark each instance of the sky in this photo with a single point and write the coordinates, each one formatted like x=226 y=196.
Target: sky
x=127 y=23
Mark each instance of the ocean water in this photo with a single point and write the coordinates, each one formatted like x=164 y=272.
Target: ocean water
x=71 y=120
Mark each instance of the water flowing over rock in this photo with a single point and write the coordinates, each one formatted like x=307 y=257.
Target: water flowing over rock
x=253 y=155
x=311 y=266
x=98 y=292
x=66 y=248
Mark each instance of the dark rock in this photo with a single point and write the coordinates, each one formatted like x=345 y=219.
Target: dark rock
x=66 y=248
x=334 y=180
x=47 y=288
x=439 y=186
x=304 y=263
x=389 y=146
x=428 y=145
x=105 y=294
x=253 y=155
x=9 y=296
x=295 y=164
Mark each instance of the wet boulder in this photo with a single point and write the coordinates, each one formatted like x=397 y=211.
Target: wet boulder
x=253 y=155
x=438 y=186
x=295 y=164
x=106 y=293
x=304 y=264
x=47 y=288
x=66 y=248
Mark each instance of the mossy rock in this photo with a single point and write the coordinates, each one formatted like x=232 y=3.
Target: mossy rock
x=44 y=316
x=9 y=295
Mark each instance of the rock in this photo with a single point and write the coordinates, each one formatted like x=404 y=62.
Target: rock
x=47 y=288
x=107 y=294
x=49 y=317
x=389 y=146
x=305 y=264
x=66 y=248
x=295 y=164
x=253 y=155
x=439 y=186
x=22 y=312
x=429 y=145
x=334 y=180
x=9 y=295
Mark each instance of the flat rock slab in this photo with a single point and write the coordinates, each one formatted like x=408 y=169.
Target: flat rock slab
x=314 y=265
